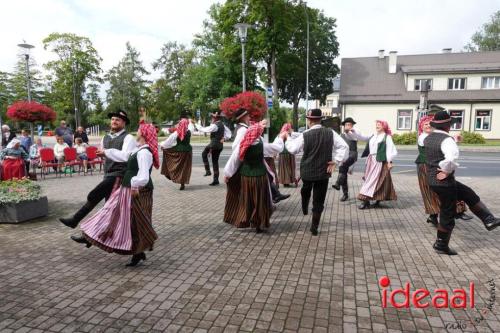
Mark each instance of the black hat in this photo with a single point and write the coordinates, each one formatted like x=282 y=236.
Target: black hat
x=314 y=114
x=442 y=119
x=216 y=114
x=120 y=114
x=240 y=113
x=185 y=114
x=348 y=120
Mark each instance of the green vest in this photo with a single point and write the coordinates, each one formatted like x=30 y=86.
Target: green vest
x=253 y=165
x=382 y=150
x=421 y=155
x=184 y=145
x=133 y=169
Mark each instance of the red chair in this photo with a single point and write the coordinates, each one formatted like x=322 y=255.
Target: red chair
x=47 y=159
x=71 y=159
x=93 y=158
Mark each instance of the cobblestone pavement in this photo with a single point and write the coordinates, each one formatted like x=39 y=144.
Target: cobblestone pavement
x=205 y=276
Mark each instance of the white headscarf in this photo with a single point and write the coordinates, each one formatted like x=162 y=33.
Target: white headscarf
x=14 y=142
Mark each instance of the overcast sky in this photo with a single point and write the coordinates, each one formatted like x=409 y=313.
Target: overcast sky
x=364 y=26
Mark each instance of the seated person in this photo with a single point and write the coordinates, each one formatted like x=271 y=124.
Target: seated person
x=35 y=152
x=59 y=151
x=81 y=152
x=13 y=161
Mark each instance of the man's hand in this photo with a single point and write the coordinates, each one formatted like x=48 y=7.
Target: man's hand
x=100 y=153
x=226 y=179
x=442 y=175
x=458 y=138
x=263 y=123
x=389 y=165
x=284 y=136
x=331 y=167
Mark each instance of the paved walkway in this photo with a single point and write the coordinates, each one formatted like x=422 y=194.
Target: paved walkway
x=205 y=276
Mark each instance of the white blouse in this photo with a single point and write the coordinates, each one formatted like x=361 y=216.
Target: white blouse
x=274 y=148
x=171 y=141
x=391 y=151
x=120 y=155
x=145 y=162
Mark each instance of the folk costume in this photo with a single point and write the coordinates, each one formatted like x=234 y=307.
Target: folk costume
x=319 y=144
x=117 y=149
x=270 y=151
x=287 y=165
x=216 y=130
x=430 y=199
x=124 y=224
x=178 y=155
x=380 y=151
x=13 y=161
x=351 y=138
x=441 y=153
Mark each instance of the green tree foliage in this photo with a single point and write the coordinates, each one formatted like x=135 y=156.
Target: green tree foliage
x=488 y=38
x=77 y=65
x=127 y=86
x=18 y=83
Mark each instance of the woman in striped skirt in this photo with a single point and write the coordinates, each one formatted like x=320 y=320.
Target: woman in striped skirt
x=381 y=151
x=124 y=224
x=178 y=155
x=286 y=165
x=430 y=198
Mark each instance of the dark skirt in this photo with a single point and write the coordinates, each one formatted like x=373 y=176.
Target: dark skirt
x=232 y=198
x=384 y=191
x=272 y=165
x=287 y=169
x=177 y=166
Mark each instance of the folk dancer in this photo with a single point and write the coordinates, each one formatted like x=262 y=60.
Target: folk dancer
x=287 y=165
x=441 y=153
x=216 y=130
x=316 y=166
x=124 y=224
x=270 y=151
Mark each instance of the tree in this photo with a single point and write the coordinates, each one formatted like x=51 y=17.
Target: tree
x=488 y=38
x=127 y=86
x=78 y=64
x=18 y=82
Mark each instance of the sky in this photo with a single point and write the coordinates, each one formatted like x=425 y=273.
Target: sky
x=363 y=26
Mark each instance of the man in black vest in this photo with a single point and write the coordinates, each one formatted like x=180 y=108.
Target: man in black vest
x=316 y=166
x=116 y=149
x=442 y=154
x=352 y=142
x=216 y=130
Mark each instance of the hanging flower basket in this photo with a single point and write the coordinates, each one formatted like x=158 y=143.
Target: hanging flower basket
x=252 y=101
x=30 y=112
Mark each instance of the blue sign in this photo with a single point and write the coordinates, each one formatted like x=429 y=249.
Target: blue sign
x=198 y=113
x=269 y=91
x=269 y=103
x=40 y=130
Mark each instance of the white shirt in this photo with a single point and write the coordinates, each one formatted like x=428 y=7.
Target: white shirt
x=208 y=129
x=59 y=149
x=240 y=133
x=117 y=155
x=421 y=139
x=234 y=162
x=340 y=148
x=451 y=153
x=145 y=161
x=171 y=141
x=273 y=149
x=391 y=151
x=355 y=135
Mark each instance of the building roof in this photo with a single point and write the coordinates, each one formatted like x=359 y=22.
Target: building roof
x=367 y=80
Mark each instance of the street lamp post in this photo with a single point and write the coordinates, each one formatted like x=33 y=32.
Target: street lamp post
x=242 y=33
x=26 y=52
x=307 y=59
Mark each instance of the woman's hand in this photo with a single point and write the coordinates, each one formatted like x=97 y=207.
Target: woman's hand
x=226 y=179
x=442 y=175
x=135 y=192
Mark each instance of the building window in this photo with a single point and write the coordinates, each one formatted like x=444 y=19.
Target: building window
x=456 y=84
x=329 y=103
x=483 y=120
x=421 y=83
x=490 y=82
x=404 y=119
x=459 y=115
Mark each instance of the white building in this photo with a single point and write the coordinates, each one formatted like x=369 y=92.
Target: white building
x=467 y=85
x=331 y=106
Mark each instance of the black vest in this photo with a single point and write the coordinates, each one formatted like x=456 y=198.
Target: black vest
x=112 y=168
x=217 y=136
x=318 y=144
x=434 y=155
x=353 y=147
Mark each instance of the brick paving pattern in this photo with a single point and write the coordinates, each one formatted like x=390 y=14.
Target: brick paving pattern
x=205 y=276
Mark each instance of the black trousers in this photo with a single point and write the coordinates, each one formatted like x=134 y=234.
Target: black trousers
x=215 y=159
x=344 y=169
x=448 y=197
x=318 y=189
x=101 y=191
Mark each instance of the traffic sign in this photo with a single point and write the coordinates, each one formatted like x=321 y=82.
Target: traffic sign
x=270 y=103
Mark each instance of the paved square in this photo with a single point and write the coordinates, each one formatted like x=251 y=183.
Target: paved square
x=205 y=276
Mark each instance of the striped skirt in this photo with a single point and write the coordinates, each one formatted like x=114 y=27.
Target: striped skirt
x=232 y=198
x=431 y=199
x=286 y=168
x=254 y=205
x=124 y=224
x=378 y=182
x=272 y=166
x=177 y=166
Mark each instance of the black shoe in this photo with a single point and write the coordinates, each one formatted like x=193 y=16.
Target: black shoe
x=208 y=173
x=345 y=197
x=336 y=186
x=315 y=224
x=433 y=219
x=281 y=197
x=441 y=243
x=377 y=204
x=464 y=217
x=81 y=240
x=305 y=208
x=214 y=183
x=182 y=187
x=484 y=214
x=364 y=205
x=69 y=222
x=136 y=258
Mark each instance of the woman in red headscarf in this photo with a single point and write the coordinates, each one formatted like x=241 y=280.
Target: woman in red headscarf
x=124 y=224
x=178 y=155
x=286 y=165
x=380 y=152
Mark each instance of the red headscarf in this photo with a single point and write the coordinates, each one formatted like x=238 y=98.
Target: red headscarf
x=254 y=131
x=286 y=128
x=182 y=128
x=148 y=132
x=423 y=120
x=385 y=126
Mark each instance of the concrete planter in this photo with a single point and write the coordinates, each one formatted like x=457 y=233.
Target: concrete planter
x=24 y=211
